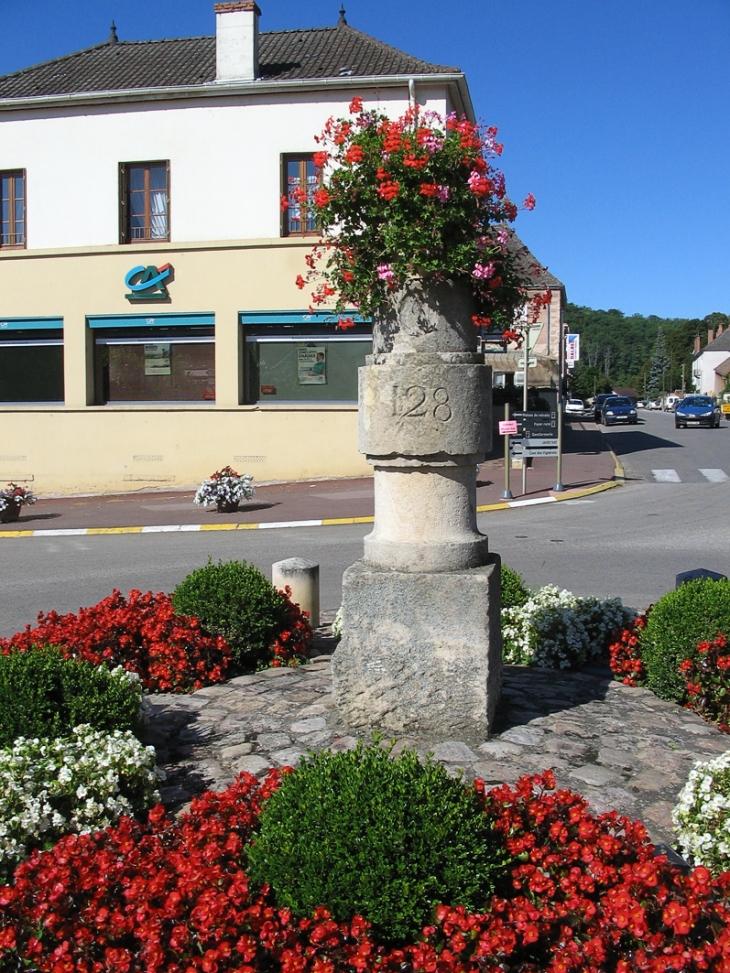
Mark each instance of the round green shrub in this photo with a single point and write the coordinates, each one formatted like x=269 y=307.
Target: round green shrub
x=694 y=613
x=235 y=600
x=514 y=590
x=42 y=694
x=387 y=839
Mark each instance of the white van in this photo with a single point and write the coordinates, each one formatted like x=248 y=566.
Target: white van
x=671 y=402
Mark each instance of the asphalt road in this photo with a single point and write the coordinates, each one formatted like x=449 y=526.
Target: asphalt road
x=629 y=542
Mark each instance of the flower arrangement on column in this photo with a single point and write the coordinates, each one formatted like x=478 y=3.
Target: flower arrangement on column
x=418 y=196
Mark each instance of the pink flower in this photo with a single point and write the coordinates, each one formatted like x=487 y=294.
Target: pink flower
x=529 y=202
x=385 y=272
x=503 y=237
x=442 y=193
x=483 y=271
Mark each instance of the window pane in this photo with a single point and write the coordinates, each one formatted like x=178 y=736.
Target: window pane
x=31 y=373
x=158 y=371
x=136 y=177
x=278 y=371
x=158 y=177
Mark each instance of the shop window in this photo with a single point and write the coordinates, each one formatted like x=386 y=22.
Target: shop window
x=31 y=366
x=165 y=365
x=304 y=368
x=144 y=202
x=299 y=184
x=12 y=209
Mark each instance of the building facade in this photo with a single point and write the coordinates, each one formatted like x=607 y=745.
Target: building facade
x=150 y=327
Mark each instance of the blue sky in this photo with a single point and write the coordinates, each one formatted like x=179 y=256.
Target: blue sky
x=615 y=115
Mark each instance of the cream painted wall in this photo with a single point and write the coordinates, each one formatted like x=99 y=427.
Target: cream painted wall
x=92 y=449
x=224 y=159
x=103 y=450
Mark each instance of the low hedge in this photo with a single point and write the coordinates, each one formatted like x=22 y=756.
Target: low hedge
x=696 y=612
x=43 y=694
x=235 y=601
x=383 y=838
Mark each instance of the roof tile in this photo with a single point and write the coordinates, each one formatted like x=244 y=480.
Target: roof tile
x=325 y=52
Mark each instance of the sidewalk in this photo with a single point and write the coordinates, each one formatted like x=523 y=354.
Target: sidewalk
x=588 y=467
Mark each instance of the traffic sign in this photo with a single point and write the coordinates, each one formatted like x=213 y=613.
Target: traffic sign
x=531 y=362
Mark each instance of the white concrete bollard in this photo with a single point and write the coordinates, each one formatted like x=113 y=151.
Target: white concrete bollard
x=302 y=576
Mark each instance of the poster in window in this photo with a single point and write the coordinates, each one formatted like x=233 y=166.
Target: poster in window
x=312 y=365
x=157 y=359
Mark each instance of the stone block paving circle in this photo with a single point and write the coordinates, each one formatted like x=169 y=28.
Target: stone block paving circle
x=621 y=748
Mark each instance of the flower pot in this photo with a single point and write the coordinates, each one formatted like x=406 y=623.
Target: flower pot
x=10 y=513
x=227 y=506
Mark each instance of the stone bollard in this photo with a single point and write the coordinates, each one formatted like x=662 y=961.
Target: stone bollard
x=421 y=644
x=302 y=576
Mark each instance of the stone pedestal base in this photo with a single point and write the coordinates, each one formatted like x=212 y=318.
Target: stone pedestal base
x=421 y=653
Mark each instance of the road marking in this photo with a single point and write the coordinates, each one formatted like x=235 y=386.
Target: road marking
x=715 y=476
x=666 y=476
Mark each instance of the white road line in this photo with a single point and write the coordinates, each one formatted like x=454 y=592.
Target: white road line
x=666 y=476
x=715 y=476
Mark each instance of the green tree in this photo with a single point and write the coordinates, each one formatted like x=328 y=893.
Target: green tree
x=660 y=366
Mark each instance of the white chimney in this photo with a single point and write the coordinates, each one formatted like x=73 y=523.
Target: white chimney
x=237 y=40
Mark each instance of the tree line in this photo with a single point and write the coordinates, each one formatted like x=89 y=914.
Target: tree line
x=644 y=353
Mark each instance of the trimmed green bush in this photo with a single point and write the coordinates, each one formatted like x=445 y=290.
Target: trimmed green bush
x=694 y=613
x=235 y=600
x=387 y=839
x=514 y=590
x=42 y=694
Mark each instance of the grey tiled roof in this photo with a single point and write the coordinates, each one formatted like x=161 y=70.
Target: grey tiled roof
x=530 y=265
x=721 y=342
x=326 y=52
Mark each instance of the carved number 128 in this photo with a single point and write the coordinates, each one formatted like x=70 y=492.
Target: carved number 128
x=416 y=401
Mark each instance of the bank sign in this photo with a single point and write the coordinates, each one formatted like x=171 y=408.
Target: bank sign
x=148 y=283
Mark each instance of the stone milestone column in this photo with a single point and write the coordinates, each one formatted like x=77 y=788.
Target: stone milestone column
x=421 y=648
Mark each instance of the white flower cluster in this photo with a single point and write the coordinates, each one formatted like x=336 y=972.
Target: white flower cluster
x=80 y=784
x=702 y=815
x=557 y=630
x=225 y=489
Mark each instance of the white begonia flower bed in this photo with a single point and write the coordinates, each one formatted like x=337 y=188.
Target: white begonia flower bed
x=702 y=815
x=558 y=630
x=79 y=784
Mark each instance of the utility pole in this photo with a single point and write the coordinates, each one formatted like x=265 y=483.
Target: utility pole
x=559 y=488
x=683 y=379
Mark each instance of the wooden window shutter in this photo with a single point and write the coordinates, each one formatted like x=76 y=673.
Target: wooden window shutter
x=122 y=202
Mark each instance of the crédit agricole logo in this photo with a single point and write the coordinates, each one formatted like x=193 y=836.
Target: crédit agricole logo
x=148 y=283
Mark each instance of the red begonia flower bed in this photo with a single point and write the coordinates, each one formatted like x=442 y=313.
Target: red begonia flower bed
x=143 y=634
x=584 y=893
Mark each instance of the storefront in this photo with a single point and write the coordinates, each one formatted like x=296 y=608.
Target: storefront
x=109 y=389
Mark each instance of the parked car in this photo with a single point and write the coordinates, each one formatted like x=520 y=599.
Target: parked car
x=641 y=404
x=598 y=404
x=654 y=404
x=618 y=408
x=575 y=409
x=671 y=402
x=697 y=410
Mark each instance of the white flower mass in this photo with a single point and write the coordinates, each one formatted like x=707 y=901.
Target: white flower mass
x=702 y=815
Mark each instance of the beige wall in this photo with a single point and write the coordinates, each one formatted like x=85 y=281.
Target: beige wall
x=82 y=448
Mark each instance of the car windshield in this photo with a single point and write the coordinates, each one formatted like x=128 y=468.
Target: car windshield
x=618 y=400
x=575 y=402
x=703 y=401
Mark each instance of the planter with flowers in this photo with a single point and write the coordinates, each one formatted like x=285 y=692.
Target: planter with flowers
x=226 y=489
x=12 y=498
x=418 y=196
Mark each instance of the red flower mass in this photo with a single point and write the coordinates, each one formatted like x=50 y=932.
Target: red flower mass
x=584 y=894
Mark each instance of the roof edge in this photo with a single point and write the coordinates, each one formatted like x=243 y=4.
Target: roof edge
x=217 y=89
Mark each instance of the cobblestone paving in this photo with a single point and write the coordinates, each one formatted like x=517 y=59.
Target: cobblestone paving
x=620 y=747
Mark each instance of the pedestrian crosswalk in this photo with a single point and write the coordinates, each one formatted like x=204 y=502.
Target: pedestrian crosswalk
x=671 y=476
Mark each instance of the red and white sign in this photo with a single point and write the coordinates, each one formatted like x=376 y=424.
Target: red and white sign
x=508 y=427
